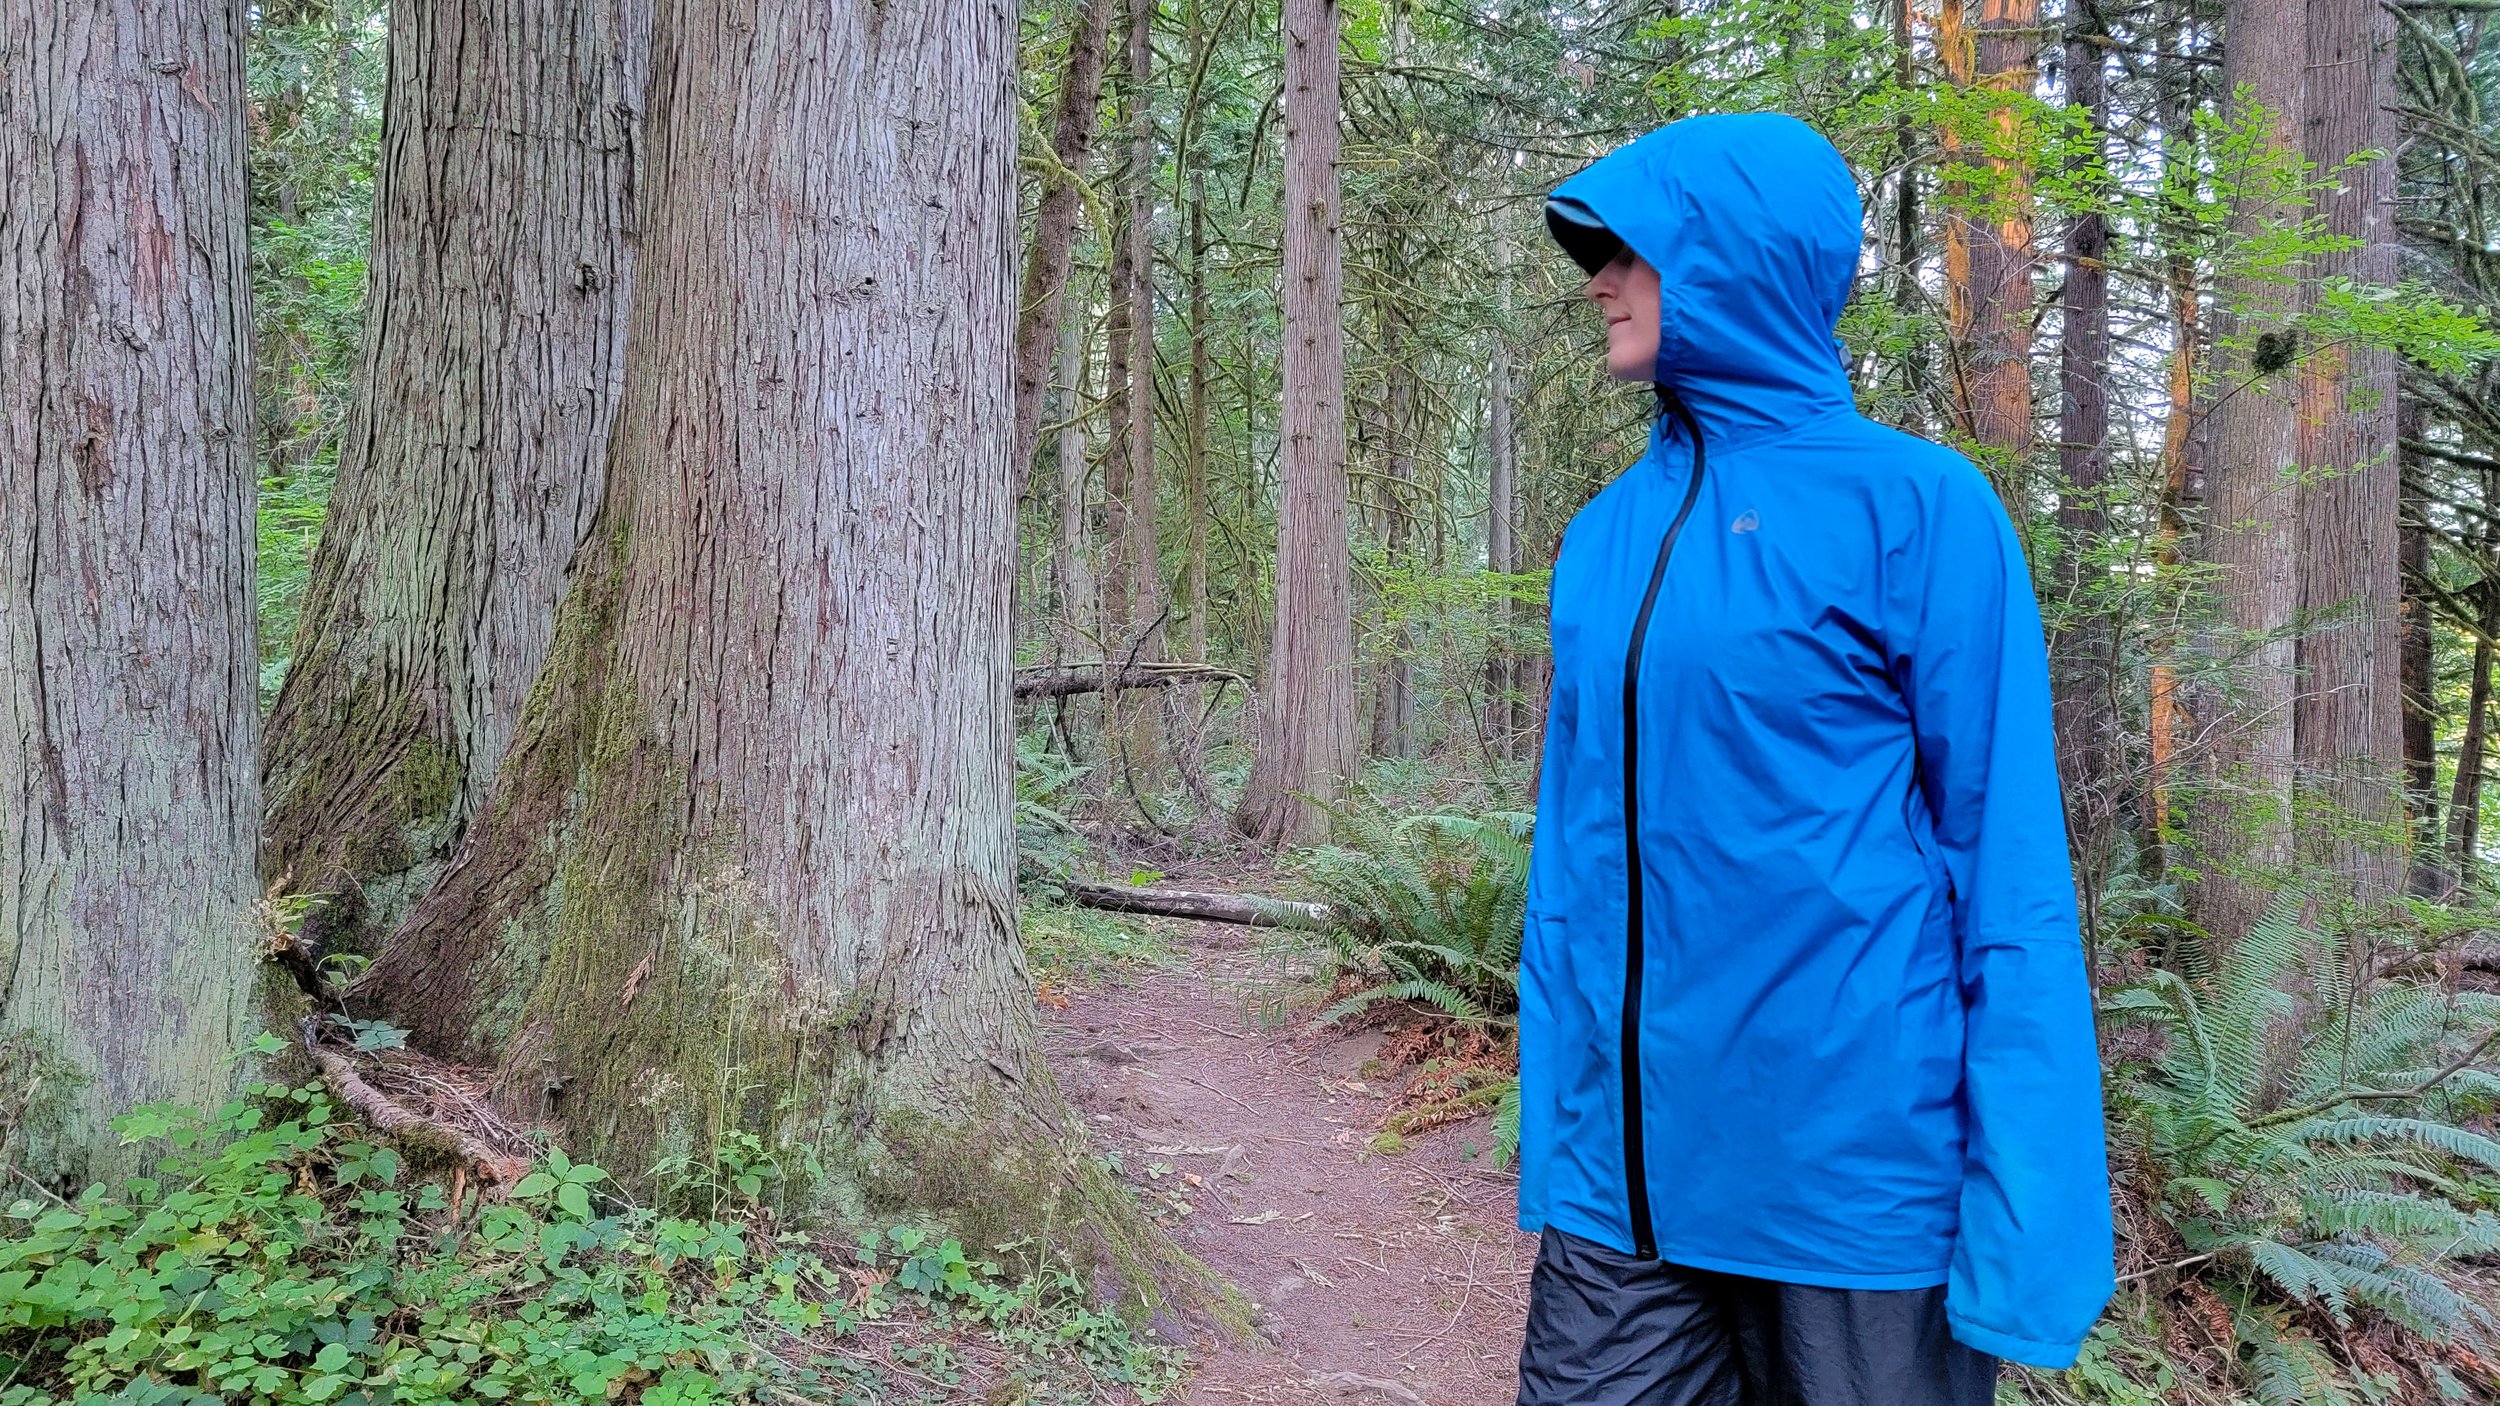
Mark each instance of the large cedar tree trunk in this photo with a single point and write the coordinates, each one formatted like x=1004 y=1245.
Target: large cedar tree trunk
x=129 y=760
x=1308 y=738
x=2349 y=723
x=475 y=458
x=2241 y=822
x=752 y=866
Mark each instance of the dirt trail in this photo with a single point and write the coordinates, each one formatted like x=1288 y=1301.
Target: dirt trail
x=1394 y=1279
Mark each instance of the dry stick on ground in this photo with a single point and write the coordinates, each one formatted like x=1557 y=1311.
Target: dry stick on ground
x=1249 y=910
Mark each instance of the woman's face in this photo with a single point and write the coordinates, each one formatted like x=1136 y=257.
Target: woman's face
x=1626 y=291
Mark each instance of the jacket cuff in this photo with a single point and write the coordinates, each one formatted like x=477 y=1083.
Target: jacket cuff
x=2055 y=1357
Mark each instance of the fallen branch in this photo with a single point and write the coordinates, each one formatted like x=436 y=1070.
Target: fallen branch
x=384 y=1115
x=1061 y=682
x=1247 y=910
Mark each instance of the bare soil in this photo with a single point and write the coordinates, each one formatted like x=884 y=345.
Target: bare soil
x=1390 y=1277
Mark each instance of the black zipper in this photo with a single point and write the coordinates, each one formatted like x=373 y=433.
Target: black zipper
x=1635 y=1173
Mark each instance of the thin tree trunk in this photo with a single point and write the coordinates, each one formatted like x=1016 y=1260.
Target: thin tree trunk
x=1393 y=697
x=2465 y=799
x=2167 y=715
x=1133 y=597
x=2349 y=722
x=2421 y=665
x=129 y=691
x=1501 y=493
x=2242 y=821
x=1308 y=743
x=2087 y=673
x=1200 y=374
x=1988 y=251
x=504 y=232
x=1909 y=299
x=748 y=873
x=1072 y=565
x=1054 y=223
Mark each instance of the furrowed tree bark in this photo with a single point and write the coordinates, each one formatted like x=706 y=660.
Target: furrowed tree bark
x=1988 y=241
x=2083 y=656
x=2165 y=710
x=1201 y=395
x=129 y=759
x=2087 y=672
x=1132 y=587
x=2465 y=798
x=503 y=252
x=1308 y=742
x=2241 y=820
x=1393 y=693
x=1078 y=109
x=752 y=867
x=2349 y=721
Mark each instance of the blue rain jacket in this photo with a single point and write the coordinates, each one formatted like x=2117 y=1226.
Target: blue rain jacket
x=1799 y=783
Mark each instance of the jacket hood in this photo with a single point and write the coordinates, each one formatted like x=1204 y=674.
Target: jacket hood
x=1754 y=225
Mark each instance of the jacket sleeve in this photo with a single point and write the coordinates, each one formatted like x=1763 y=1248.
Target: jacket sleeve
x=2032 y=1264
x=1545 y=890
x=1542 y=925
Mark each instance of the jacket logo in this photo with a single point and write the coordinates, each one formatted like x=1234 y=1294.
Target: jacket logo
x=1745 y=523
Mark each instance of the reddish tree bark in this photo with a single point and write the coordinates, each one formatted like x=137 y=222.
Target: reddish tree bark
x=2349 y=722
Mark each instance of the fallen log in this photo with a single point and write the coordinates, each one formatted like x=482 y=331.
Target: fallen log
x=1248 y=910
x=1061 y=682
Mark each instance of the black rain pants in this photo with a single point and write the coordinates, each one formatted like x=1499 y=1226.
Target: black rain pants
x=1607 y=1329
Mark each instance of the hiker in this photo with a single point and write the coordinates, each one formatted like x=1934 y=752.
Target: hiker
x=1810 y=1108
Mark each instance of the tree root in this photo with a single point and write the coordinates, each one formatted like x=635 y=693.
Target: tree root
x=491 y=1147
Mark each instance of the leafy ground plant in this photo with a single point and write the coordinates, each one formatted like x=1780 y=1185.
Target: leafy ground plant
x=1429 y=914
x=2306 y=1184
x=279 y=1256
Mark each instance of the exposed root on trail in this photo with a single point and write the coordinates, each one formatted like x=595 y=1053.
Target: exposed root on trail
x=422 y=1103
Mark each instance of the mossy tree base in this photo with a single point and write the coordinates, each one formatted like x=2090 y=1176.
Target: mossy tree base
x=743 y=892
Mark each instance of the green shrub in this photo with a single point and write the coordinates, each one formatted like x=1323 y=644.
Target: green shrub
x=280 y=1257
x=2299 y=1151
x=1430 y=910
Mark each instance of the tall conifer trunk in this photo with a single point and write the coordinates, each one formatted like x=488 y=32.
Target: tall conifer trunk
x=2242 y=819
x=129 y=697
x=2349 y=723
x=1308 y=738
x=503 y=255
x=752 y=867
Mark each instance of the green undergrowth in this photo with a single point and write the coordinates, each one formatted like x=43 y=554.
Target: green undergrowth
x=1072 y=946
x=280 y=1256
